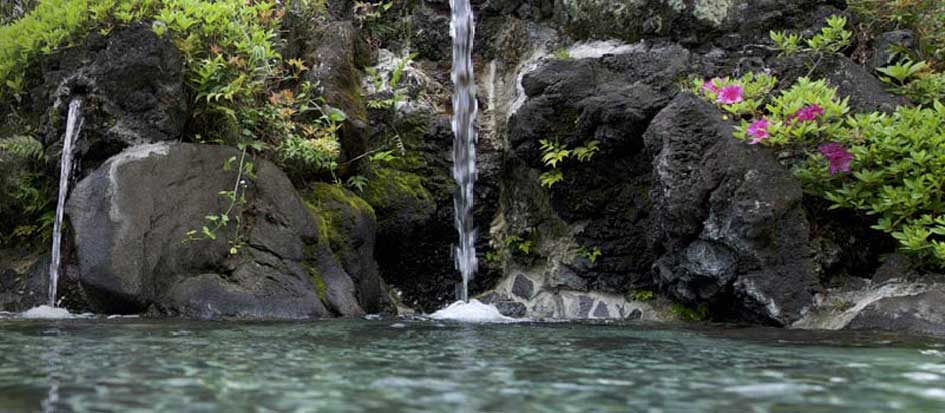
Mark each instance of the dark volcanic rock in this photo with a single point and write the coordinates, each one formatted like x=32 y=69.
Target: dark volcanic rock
x=886 y=47
x=691 y=22
x=729 y=218
x=131 y=217
x=610 y=99
x=866 y=92
x=916 y=314
x=132 y=88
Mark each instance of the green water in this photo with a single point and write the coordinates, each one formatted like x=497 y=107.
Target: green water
x=425 y=366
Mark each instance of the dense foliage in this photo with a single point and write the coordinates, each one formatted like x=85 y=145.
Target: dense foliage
x=244 y=92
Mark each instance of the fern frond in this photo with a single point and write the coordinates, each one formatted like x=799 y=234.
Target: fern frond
x=22 y=146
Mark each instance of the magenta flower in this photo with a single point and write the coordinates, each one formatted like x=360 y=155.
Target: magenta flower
x=710 y=86
x=807 y=113
x=759 y=130
x=838 y=156
x=730 y=95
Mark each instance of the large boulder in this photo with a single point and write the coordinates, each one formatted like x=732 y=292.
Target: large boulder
x=729 y=217
x=131 y=219
x=915 y=314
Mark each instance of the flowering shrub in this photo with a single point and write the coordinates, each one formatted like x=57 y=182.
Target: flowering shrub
x=891 y=166
x=898 y=172
x=807 y=113
x=739 y=97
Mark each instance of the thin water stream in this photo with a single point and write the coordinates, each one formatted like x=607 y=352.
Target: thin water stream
x=465 y=110
x=73 y=126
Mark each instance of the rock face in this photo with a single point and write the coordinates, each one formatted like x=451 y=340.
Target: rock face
x=866 y=92
x=729 y=218
x=693 y=22
x=916 y=314
x=132 y=88
x=349 y=225
x=601 y=202
x=130 y=220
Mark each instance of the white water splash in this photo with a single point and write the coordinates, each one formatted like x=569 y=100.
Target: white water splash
x=45 y=312
x=465 y=110
x=73 y=125
x=473 y=311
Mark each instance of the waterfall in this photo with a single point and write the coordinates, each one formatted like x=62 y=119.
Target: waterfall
x=465 y=108
x=73 y=125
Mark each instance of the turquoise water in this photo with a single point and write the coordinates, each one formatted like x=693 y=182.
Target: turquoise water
x=425 y=366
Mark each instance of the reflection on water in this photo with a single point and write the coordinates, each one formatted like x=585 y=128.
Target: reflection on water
x=53 y=363
x=413 y=366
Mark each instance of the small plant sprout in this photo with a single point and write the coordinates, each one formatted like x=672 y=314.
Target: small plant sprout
x=590 y=254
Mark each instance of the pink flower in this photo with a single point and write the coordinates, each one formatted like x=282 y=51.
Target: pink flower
x=710 y=86
x=730 y=95
x=807 y=113
x=758 y=129
x=838 y=156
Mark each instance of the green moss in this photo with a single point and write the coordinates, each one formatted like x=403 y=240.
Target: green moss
x=641 y=295
x=684 y=313
x=320 y=288
x=387 y=185
x=334 y=209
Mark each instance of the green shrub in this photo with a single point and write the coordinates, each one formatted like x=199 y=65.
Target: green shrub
x=891 y=166
x=898 y=176
x=554 y=153
x=833 y=38
x=915 y=80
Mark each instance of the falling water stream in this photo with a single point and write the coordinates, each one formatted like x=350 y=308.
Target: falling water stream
x=465 y=108
x=73 y=125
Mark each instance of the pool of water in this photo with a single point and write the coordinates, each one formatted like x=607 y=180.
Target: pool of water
x=402 y=365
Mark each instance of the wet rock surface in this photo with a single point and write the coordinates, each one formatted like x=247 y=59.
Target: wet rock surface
x=132 y=87
x=131 y=218
x=730 y=218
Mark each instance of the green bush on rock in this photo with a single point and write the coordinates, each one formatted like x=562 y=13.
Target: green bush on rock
x=891 y=166
x=898 y=174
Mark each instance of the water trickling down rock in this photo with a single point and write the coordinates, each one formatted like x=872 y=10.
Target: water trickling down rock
x=73 y=125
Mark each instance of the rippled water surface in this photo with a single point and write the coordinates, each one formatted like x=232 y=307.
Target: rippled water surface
x=415 y=365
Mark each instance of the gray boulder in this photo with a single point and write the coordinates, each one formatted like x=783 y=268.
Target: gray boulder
x=729 y=218
x=130 y=220
x=915 y=314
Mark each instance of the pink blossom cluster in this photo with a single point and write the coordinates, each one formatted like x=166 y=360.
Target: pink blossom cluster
x=726 y=95
x=838 y=156
x=759 y=129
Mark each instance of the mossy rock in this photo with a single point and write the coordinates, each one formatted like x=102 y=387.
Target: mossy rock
x=347 y=227
x=338 y=212
x=399 y=197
